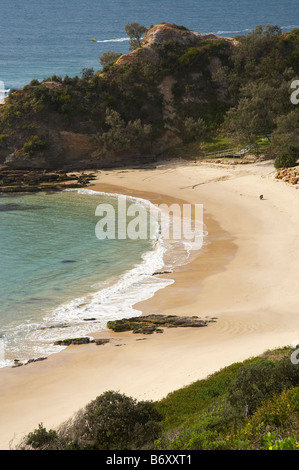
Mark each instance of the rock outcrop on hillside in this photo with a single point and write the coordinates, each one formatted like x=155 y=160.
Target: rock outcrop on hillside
x=165 y=32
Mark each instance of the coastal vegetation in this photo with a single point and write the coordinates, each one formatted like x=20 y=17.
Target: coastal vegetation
x=135 y=31
x=252 y=405
x=176 y=88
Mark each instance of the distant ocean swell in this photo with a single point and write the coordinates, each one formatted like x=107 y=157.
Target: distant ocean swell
x=112 y=40
x=247 y=30
x=113 y=299
x=219 y=32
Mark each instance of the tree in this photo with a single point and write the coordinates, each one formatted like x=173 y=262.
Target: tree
x=258 y=56
x=256 y=113
x=122 y=135
x=193 y=129
x=108 y=58
x=135 y=31
x=254 y=383
x=286 y=132
x=255 y=47
x=87 y=73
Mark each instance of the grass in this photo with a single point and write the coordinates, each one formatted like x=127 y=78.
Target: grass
x=263 y=145
x=216 y=413
x=198 y=148
x=217 y=144
x=182 y=406
x=201 y=416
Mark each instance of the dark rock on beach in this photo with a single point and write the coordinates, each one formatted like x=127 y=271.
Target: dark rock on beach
x=36 y=360
x=18 y=363
x=149 y=324
x=161 y=272
x=30 y=180
x=101 y=342
x=83 y=340
x=68 y=342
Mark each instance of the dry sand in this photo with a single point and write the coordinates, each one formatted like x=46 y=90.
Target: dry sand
x=246 y=276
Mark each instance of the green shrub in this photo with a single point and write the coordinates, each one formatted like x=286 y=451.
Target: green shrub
x=115 y=421
x=108 y=58
x=121 y=135
x=208 y=432
x=87 y=73
x=271 y=443
x=287 y=159
x=34 y=82
x=41 y=438
x=287 y=373
x=254 y=383
x=275 y=412
x=274 y=424
x=206 y=415
x=33 y=144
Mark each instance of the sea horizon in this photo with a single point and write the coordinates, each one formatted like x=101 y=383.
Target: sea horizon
x=40 y=40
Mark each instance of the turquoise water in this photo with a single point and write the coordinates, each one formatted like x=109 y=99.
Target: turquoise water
x=40 y=38
x=56 y=274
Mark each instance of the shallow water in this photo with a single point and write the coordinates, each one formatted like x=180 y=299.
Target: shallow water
x=55 y=272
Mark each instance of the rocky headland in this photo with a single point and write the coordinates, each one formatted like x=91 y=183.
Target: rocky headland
x=126 y=114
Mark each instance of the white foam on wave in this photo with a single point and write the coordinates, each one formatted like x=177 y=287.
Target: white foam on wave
x=113 y=40
x=247 y=30
x=114 y=299
x=117 y=297
x=165 y=223
x=234 y=31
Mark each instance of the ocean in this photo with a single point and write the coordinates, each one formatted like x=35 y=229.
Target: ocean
x=40 y=38
x=57 y=279
x=61 y=277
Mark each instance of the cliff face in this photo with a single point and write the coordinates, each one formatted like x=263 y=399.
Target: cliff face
x=65 y=123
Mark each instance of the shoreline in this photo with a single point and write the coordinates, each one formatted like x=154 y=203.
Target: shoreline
x=138 y=280
x=237 y=277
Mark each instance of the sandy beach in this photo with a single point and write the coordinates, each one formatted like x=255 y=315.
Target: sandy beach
x=246 y=277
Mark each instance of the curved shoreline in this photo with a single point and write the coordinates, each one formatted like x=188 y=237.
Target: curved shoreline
x=238 y=278
x=135 y=280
